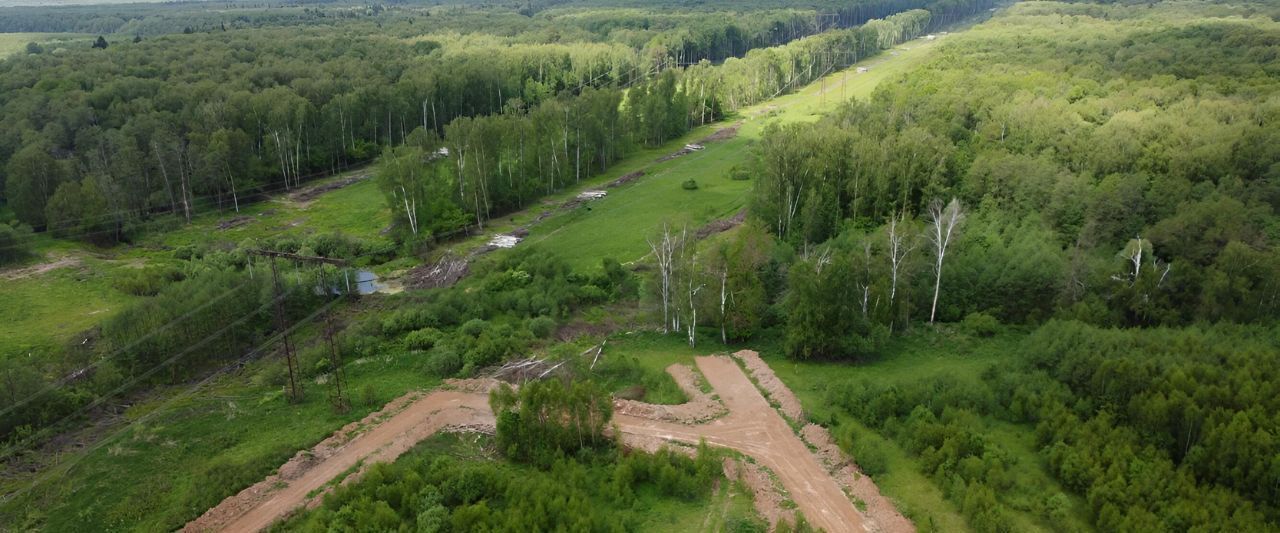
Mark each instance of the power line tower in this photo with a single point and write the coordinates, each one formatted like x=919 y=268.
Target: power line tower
x=337 y=397
x=290 y=357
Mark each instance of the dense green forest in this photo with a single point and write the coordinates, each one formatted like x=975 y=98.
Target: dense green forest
x=1090 y=189
x=1069 y=168
x=499 y=163
x=99 y=141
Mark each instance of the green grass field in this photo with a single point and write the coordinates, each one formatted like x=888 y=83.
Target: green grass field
x=358 y=210
x=184 y=453
x=11 y=43
x=51 y=307
x=56 y=306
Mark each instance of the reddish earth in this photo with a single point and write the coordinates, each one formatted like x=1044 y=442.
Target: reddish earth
x=751 y=427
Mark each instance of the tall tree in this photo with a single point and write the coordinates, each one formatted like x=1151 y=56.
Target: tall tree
x=942 y=225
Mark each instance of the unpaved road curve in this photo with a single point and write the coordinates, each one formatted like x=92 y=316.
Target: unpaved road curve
x=752 y=427
x=384 y=442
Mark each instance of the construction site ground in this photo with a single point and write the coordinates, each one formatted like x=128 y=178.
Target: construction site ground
x=751 y=426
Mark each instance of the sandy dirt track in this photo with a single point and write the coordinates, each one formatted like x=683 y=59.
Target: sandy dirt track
x=752 y=427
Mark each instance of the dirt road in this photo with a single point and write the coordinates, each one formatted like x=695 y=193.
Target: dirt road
x=752 y=427
x=755 y=429
x=256 y=507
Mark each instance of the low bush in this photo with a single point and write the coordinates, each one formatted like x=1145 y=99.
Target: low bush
x=980 y=324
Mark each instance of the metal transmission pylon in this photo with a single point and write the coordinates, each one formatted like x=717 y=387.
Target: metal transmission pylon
x=337 y=397
x=290 y=357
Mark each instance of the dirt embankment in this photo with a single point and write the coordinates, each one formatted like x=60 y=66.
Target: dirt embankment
x=766 y=494
x=879 y=509
x=307 y=194
x=750 y=426
x=701 y=406
x=721 y=225
x=233 y=507
x=379 y=437
x=777 y=390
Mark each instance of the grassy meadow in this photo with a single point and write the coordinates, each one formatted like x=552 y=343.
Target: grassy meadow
x=53 y=306
x=12 y=43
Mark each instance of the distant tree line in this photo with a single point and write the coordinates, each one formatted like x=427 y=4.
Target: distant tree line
x=97 y=142
x=485 y=166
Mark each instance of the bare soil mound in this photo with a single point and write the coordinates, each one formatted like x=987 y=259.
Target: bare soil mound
x=38 y=269
x=764 y=490
x=445 y=272
x=721 y=225
x=234 y=222
x=881 y=514
x=311 y=193
x=234 y=507
x=722 y=134
x=701 y=407
x=625 y=179
x=778 y=392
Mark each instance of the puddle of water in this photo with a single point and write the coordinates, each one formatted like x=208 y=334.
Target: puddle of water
x=360 y=281
x=365 y=282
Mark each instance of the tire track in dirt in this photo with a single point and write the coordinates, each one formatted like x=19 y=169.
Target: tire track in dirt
x=752 y=427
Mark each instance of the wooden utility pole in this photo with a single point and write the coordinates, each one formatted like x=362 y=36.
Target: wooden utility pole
x=290 y=357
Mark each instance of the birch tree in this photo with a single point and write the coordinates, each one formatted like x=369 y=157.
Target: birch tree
x=664 y=250
x=942 y=226
x=898 y=250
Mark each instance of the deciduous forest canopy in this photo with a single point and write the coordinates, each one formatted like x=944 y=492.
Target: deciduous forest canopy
x=1025 y=272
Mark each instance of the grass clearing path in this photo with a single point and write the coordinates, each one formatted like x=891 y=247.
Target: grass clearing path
x=618 y=224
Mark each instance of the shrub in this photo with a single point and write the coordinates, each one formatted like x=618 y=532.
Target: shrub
x=14 y=243
x=591 y=294
x=868 y=452
x=146 y=281
x=443 y=362
x=980 y=324
x=690 y=185
x=422 y=339
x=542 y=327
x=368 y=396
x=474 y=327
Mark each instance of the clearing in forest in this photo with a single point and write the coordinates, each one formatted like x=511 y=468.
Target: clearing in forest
x=650 y=192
